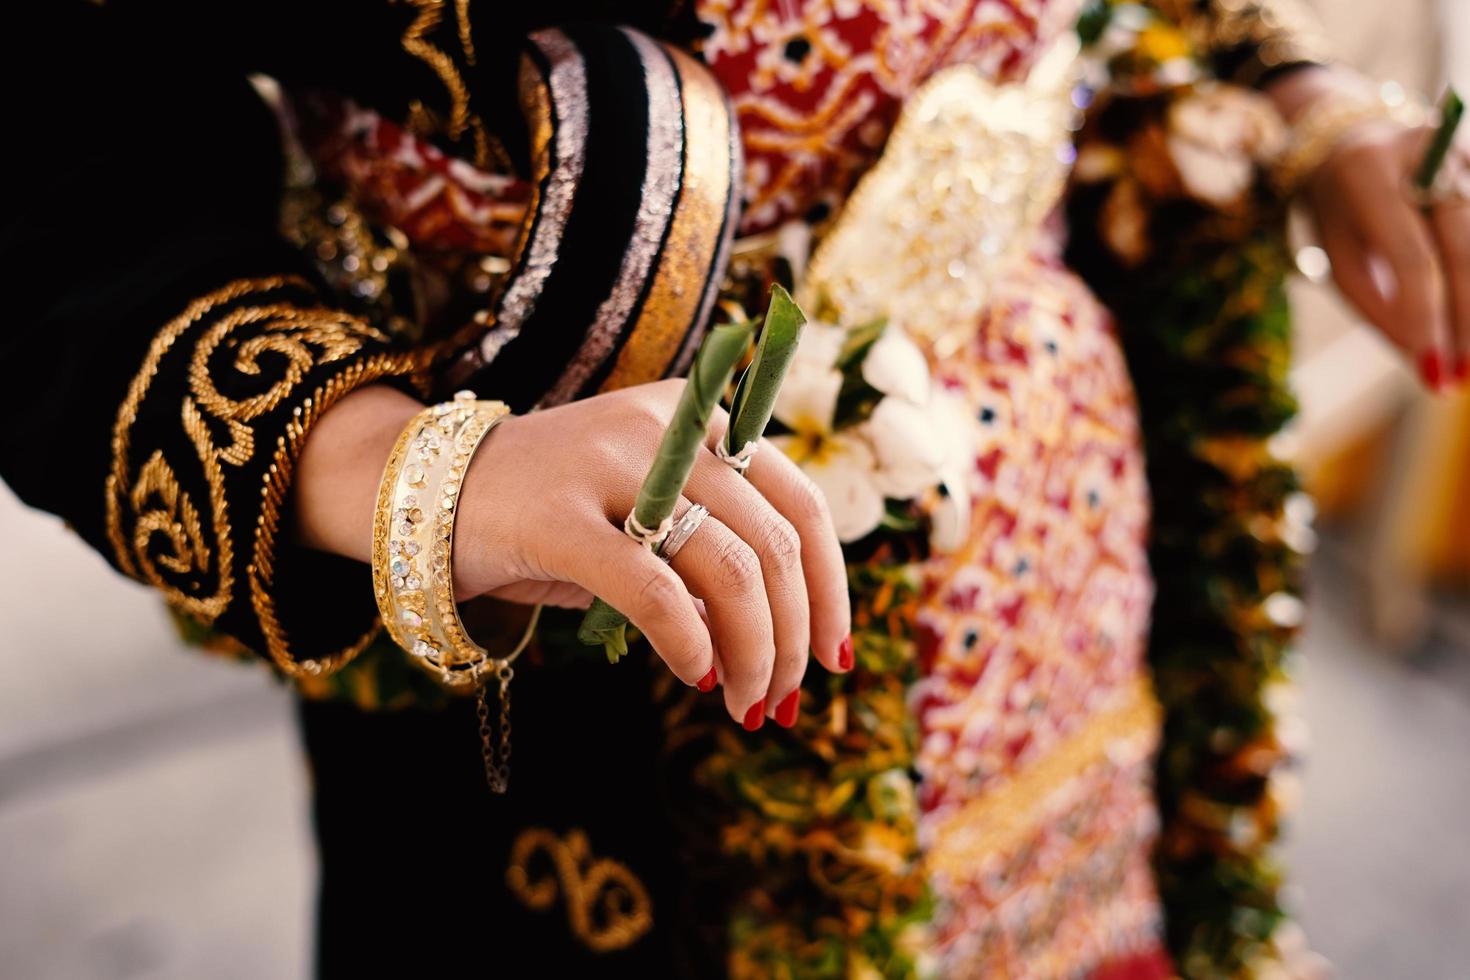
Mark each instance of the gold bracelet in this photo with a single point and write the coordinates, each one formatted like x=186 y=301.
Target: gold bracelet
x=413 y=535
x=412 y=560
x=1323 y=127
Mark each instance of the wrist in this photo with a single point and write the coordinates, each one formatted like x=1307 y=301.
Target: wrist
x=1294 y=92
x=487 y=514
x=1327 y=109
x=336 y=486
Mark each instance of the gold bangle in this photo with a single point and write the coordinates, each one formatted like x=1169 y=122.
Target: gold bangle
x=464 y=661
x=413 y=567
x=1324 y=126
x=413 y=530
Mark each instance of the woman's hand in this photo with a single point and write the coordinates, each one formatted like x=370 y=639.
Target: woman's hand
x=1368 y=223
x=540 y=519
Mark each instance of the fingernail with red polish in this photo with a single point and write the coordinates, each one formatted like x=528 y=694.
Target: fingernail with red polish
x=707 y=682
x=1462 y=369
x=1431 y=368
x=756 y=716
x=786 y=710
x=844 y=653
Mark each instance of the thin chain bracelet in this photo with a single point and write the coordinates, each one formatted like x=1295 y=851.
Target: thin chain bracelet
x=495 y=753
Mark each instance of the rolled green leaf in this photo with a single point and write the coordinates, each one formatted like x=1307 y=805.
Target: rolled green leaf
x=755 y=396
x=1451 y=109
x=722 y=349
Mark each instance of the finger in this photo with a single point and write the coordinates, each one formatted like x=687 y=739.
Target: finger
x=1353 y=272
x=1451 y=223
x=793 y=493
x=646 y=590
x=1394 y=229
x=708 y=681
x=802 y=503
x=720 y=568
x=742 y=508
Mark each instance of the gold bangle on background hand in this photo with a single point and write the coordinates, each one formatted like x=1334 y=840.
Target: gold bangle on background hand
x=413 y=548
x=1324 y=125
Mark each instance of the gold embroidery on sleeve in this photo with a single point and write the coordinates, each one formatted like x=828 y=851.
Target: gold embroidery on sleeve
x=159 y=484
x=291 y=342
x=607 y=906
x=430 y=13
x=466 y=41
x=273 y=494
x=488 y=151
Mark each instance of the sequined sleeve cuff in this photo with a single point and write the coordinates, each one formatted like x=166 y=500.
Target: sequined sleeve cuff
x=204 y=447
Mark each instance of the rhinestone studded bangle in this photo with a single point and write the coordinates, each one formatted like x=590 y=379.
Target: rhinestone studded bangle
x=413 y=534
x=413 y=552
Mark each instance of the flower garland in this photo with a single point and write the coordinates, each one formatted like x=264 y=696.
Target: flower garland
x=820 y=824
x=1167 y=157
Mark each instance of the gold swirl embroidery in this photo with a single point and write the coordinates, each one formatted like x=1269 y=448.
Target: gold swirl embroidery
x=291 y=333
x=607 y=906
x=304 y=339
x=430 y=15
x=160 y=483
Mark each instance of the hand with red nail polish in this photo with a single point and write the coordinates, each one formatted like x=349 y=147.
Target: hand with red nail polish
x=1404 y=263
x=739 y=606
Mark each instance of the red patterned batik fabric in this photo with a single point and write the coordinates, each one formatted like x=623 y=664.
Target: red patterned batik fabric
x=1037 y=722
x=439 y=202
x=818 y=84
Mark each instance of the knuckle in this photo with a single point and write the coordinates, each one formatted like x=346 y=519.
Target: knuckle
x=736 y=566
x=780 y=543
x=604 y=456
x=811 y=502
x=663 y=396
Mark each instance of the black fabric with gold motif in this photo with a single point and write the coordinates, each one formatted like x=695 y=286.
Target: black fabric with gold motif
x=145 y=179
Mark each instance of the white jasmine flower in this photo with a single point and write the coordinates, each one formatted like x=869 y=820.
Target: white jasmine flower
x=842 y=467
x=917 y=437
x=1217 y=136
x=908 y=450
x=896 y=366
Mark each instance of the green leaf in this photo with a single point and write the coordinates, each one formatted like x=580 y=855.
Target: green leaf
x=722 y=349
x=857 y=343
x=1451 y=110
x=755 y=396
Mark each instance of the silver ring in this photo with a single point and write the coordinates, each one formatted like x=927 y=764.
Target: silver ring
x=1451 y=188
x=683 y=530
